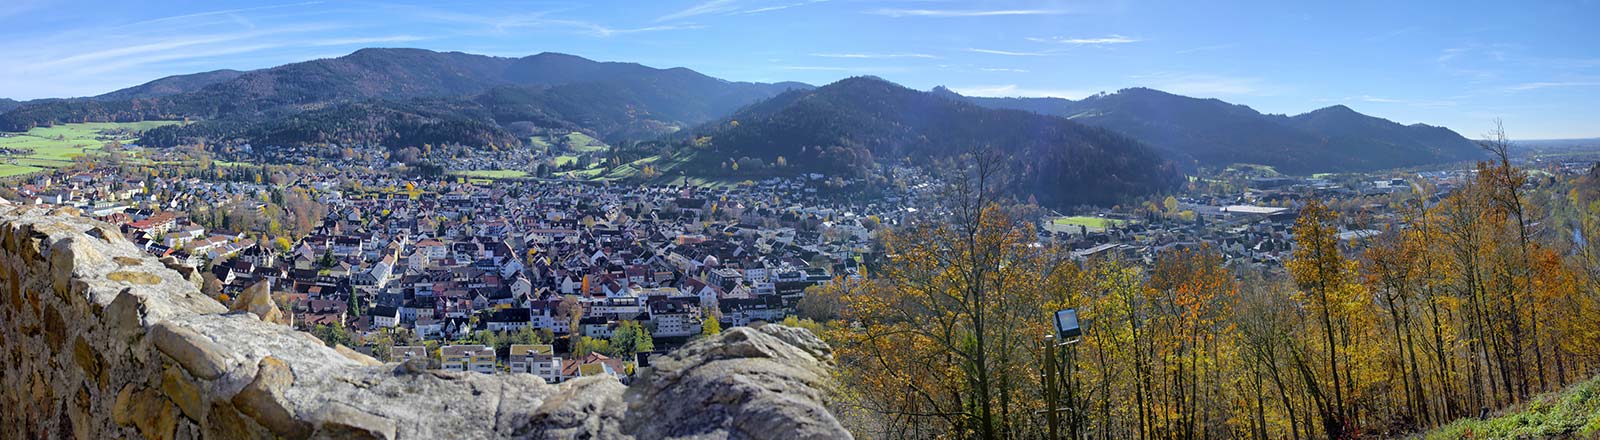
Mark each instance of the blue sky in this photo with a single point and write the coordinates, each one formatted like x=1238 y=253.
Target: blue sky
x=1453 y=63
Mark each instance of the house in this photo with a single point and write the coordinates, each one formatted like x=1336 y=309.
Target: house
x=384 y=316
x=402 y=353
x=593 y=364
x=537 y=359
x=479 y=358
x=513 y=319
x=675 y=317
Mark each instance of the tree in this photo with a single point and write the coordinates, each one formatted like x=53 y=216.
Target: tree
x=1327 y=281
x=584 y=345
x=962 y=297
x=332 y=335
x=630 y=338
x=710 y=327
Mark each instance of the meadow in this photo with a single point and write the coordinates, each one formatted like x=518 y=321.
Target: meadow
x=55 y=147
x=1094 y=224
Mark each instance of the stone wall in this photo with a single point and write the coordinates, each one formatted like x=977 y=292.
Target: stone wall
x=102 y=341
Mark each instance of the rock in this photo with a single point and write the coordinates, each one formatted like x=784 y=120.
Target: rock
x=122 y=409
x=55 y=328
x=184 y=270
x=201 y=357
x=98 y=340
x=184 y=393
x=257 y=299
x=154 y=415
x=356 y=356
x=224 y=421
x=133 y=277
x=586 y=407
x=263 y=399
x=340 y=421
x=743 y=383
x=800 y=338
x=82 y=424
x=88 y=361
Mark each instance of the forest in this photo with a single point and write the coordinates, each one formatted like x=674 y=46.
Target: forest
x=1470 y=305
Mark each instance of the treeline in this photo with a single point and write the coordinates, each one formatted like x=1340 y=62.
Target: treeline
x=1459 y=309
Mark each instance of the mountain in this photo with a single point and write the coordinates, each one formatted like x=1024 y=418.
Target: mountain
x=1210 y=132
x=611 y=100
x=172 y=85
x=847 y=126
x=7 y=104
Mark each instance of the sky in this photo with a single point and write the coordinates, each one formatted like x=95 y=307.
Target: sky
x=1459 y=64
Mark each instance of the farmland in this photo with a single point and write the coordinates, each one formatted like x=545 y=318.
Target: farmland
x=55 y=147
x=1093 y=224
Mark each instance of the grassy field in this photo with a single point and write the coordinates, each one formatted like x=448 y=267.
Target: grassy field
x=1572 y=413
x=1093 y=223
x=582 y=143
x=492 y=174
x=54 y=147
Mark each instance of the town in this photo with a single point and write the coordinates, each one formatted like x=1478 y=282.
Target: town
x=559 y=279
x=564 y=279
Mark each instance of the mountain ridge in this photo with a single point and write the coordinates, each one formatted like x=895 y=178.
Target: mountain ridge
x=1209 y=132
x=635 y=100
x=847 y=126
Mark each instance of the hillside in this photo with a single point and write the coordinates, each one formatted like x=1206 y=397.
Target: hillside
x=847 y=126
x=1211 y=132
x=172 y=85
x=549 y=90
x=1571 y=413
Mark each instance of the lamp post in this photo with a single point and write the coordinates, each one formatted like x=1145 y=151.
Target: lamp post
x=1068 y=333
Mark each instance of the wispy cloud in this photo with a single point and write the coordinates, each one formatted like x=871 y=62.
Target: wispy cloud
x=603 y=31
x=703 y=8
x=503 y=24
x=1551 y=84
x=780 y=7
x=869 y=69
x=366 y=40
x=1008 y=52
x=169 y=44
x=1109 y=39
x=898 y=13
x=1013 y=90
x=1481 y=63
x=1427 y=103
x=1002 y=69
x=874 y=55
x=222 y=12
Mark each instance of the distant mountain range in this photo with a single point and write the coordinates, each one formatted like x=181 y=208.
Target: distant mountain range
x=1095 y=150
x=847 y=126
x=406 y=97
x=1210 y=132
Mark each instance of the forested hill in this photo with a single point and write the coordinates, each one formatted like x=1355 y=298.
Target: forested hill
x=1211 y=132
x=171 y=85
x=847 y=126
x=375 y=95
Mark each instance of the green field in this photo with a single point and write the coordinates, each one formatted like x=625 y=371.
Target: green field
x=55 y=147
x=491 y=174
x=1094 y=224
x=582 y=143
